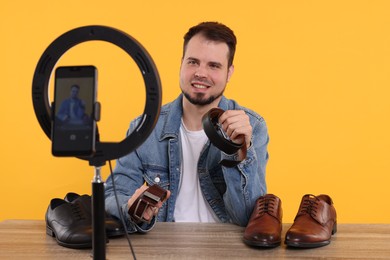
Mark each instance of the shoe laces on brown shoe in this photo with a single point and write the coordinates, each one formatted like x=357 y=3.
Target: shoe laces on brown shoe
x=320 y=208
x=309 y=205
x=267 y=204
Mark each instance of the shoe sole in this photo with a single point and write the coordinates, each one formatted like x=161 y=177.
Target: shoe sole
x=51 y=232
x=261 y=244
x=306 y=245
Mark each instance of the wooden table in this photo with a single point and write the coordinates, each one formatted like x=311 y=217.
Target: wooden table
x=27 y=239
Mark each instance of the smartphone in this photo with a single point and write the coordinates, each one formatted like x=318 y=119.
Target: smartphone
x=73 y=120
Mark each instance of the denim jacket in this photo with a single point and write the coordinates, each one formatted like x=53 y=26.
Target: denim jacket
x=230 y=192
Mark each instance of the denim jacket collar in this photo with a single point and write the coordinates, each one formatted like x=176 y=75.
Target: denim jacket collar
x=172 y=122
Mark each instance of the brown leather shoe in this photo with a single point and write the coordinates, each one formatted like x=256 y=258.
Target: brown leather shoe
x=265 y=225
x=314 y=223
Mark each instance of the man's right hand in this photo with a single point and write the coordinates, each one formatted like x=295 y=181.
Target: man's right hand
x=150 y=212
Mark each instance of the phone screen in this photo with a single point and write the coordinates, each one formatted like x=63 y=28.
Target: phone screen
x=74 y=125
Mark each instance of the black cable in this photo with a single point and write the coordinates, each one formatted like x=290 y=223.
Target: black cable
x=120 y=212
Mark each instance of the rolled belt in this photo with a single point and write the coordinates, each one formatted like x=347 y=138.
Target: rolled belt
x=219 y=138
x=149 y=198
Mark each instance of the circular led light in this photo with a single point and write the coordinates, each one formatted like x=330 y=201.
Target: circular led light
x=40 y=87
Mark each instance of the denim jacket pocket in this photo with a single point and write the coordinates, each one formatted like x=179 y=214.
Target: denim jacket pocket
x=157 y=175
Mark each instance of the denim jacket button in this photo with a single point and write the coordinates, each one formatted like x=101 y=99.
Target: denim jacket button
x=157 y=179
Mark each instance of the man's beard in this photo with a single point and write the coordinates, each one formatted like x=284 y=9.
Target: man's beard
x=199 y=100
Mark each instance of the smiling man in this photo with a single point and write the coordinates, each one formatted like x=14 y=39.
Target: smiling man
x=178 y=156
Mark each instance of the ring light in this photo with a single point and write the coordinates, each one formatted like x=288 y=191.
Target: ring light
x=104 y=150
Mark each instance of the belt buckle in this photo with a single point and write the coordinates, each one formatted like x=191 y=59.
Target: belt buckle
x=146 y=204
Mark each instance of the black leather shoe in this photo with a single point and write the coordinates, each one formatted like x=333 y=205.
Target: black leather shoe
x=113 y=226
x=69 y=225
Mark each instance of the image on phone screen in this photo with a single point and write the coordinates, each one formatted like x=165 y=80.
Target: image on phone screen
x=74 y=126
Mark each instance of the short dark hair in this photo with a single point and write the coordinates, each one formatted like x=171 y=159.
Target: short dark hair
x=75 y=86
x=213 y=31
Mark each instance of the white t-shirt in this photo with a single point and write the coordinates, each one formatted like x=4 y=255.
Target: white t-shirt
x=190 y=204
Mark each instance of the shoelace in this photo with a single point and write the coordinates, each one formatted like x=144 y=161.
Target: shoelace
x=265 y=205
x=309 y=206
x=76 y=211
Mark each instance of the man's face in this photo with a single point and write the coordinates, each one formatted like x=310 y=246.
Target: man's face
x=204 y=70
x=74 y=92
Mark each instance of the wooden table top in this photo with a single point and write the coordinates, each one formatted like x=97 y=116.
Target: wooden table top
x=27 y=239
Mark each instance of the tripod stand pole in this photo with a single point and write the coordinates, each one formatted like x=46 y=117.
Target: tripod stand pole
x=98 y=217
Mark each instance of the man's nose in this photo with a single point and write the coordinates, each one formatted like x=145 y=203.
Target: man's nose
x=201 y=72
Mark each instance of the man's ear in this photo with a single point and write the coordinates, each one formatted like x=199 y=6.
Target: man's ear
x=230 y=72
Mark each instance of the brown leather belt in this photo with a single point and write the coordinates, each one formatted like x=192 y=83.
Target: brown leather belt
x=218 y=137
x=149 y=198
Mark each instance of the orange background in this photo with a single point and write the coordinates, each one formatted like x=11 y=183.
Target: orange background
x=318 y=71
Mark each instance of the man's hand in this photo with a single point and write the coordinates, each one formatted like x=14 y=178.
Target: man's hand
x=150 y=212
x=237 y=126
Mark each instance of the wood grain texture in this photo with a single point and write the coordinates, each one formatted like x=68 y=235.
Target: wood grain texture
x=27 y=239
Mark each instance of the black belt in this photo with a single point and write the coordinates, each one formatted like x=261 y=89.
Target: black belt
x=149 y=198
x=218 y=137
